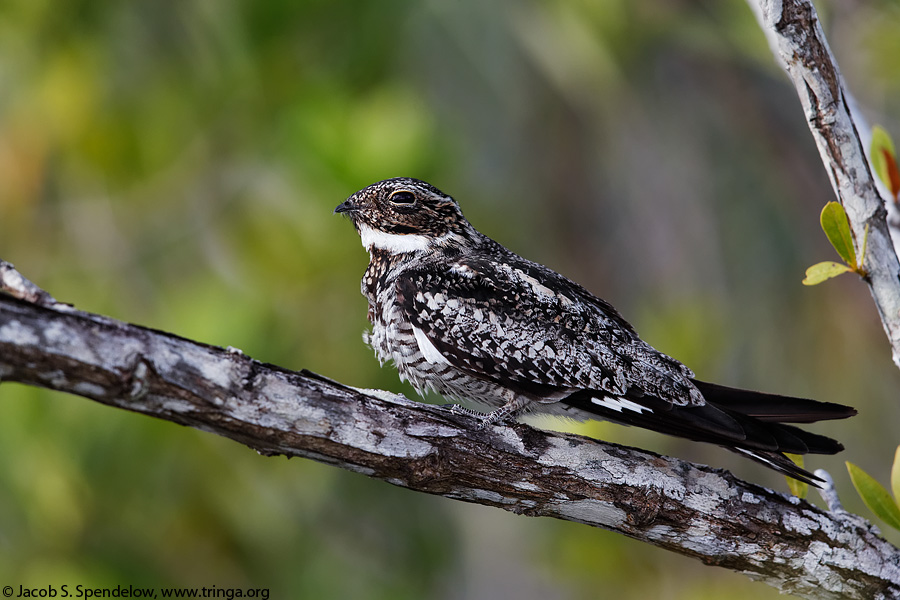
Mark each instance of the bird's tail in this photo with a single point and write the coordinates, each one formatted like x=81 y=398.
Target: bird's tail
x=753 y=424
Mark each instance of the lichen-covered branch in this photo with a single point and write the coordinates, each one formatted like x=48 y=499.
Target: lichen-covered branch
x=689 y=509
x=793 y=30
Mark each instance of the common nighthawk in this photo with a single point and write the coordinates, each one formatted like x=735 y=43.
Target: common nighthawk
x=460 y=314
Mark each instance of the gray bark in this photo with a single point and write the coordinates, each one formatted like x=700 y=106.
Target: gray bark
x=689 y=509
x=793 y=30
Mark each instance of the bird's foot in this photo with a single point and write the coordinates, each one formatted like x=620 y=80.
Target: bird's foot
x=485 y=419
x=457 y=409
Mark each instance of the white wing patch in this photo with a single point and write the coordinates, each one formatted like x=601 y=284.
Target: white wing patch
x=431 y=354
x=620 y=404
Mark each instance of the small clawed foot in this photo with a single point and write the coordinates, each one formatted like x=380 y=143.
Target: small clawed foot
x=485 y=420
x=456 y=409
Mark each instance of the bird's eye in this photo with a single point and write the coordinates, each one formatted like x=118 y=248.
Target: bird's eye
x=402 y=198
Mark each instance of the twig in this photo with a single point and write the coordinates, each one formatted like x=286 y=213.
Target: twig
x=827 y=491
x=12 y=282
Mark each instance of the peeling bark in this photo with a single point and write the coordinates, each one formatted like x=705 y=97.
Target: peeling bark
x=689 y=509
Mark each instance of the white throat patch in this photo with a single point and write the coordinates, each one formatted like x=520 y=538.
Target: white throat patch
x=395 y=243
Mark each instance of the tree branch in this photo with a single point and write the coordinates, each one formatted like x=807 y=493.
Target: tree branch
x=689 y=509
x=793 y=30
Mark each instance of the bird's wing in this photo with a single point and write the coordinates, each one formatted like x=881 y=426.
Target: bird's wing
x=531 y=329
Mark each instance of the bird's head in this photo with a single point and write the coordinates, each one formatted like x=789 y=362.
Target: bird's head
x=405 y=215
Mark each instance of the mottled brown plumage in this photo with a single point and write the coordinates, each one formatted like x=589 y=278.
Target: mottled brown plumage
x=459 y=314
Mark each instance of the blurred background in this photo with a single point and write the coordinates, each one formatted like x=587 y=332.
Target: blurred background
x=175 y=164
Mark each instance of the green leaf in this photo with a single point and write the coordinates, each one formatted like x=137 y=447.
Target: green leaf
x=798 y=488
x=895 y=476
x=875 y=496
x=884 y=159
x=819 y=272
x=837 y=227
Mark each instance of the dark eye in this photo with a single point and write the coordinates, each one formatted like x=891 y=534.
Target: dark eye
x=402 y=197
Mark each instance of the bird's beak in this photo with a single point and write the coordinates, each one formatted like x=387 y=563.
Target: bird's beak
x=345 y=206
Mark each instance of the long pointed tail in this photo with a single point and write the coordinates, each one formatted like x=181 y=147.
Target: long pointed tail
x=753 y=424
x=772 y=407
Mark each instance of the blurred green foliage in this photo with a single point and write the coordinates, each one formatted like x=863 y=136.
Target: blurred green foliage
x=175 y=164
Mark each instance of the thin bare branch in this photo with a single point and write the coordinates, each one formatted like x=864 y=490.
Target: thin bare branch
x=793 y=30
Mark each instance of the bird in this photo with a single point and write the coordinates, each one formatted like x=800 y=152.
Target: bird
x=461 y=315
